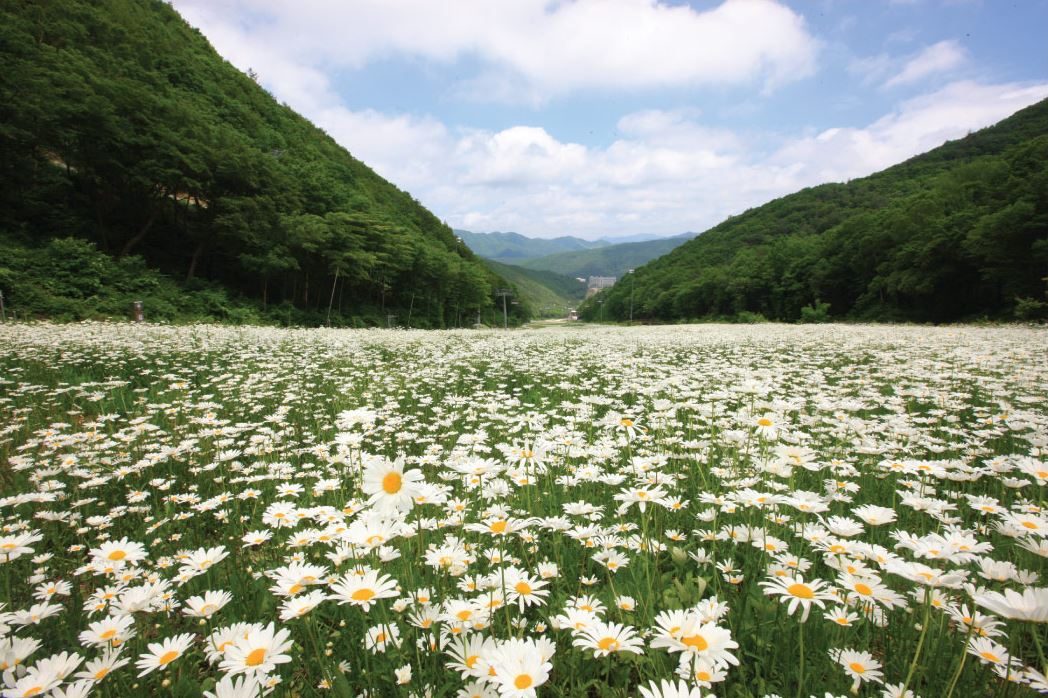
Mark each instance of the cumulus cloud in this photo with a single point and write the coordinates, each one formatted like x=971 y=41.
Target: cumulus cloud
x=937 y=58
x=917 y=125
x=528 y=49
x=665 y=172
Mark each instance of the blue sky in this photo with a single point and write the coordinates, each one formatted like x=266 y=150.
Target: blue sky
x=617 y=117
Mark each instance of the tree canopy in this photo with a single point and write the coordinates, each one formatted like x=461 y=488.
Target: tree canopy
x=121 y=127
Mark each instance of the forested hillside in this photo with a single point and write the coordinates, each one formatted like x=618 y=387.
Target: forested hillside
x=546 y=293
x=960 y=232
x=136 y=163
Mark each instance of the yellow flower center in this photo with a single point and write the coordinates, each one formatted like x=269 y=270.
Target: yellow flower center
x=35 y=690
x=801 y=591
x=523 y=681
x=363 y=595
x=107 y=634
x=117 y=555
x=765 y=422
x=626 y=422
x=698 y=642
x=168 y=657
x=863 y=589
x=256 y=657
x=101 y=673
x=464 y=614
x=608 y=644
x=857 y=668
x=391 y=483
x=498 y=527
x=522 y=588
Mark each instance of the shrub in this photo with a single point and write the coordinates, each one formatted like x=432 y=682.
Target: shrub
x=749 y=318
x=1031 y=309
x=817 y=312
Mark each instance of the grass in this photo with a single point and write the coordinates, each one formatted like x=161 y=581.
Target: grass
x=662 y=477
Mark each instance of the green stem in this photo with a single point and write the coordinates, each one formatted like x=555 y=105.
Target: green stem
x=1040 y=649
x=920 y=641
x=960 y=666
x=800 y=666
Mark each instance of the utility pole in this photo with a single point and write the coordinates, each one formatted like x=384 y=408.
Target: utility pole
x=601 y=304
x=389 y=321
x=3 y=313
x=505 y=314
x=632 y=284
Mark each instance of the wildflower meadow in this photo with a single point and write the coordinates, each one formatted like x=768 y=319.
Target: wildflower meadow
x=702 y=510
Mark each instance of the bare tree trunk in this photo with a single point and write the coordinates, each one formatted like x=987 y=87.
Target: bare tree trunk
x=265 y=293
x=130 y=244
x=331 y=301
x=194 y=261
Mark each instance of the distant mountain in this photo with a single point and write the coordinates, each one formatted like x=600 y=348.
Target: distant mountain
x=957 y=233
x=641 y=237
x=512 y=247
x=545 y=293
x=612 y=260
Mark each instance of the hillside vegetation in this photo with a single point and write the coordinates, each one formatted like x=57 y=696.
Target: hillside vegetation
x=127 y=142
x=546 y=293
x=958 y=233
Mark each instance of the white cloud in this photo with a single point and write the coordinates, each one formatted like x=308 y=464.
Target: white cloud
x=529 y=50
x=937 y=58
x=665 y=172
x=917 y=125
